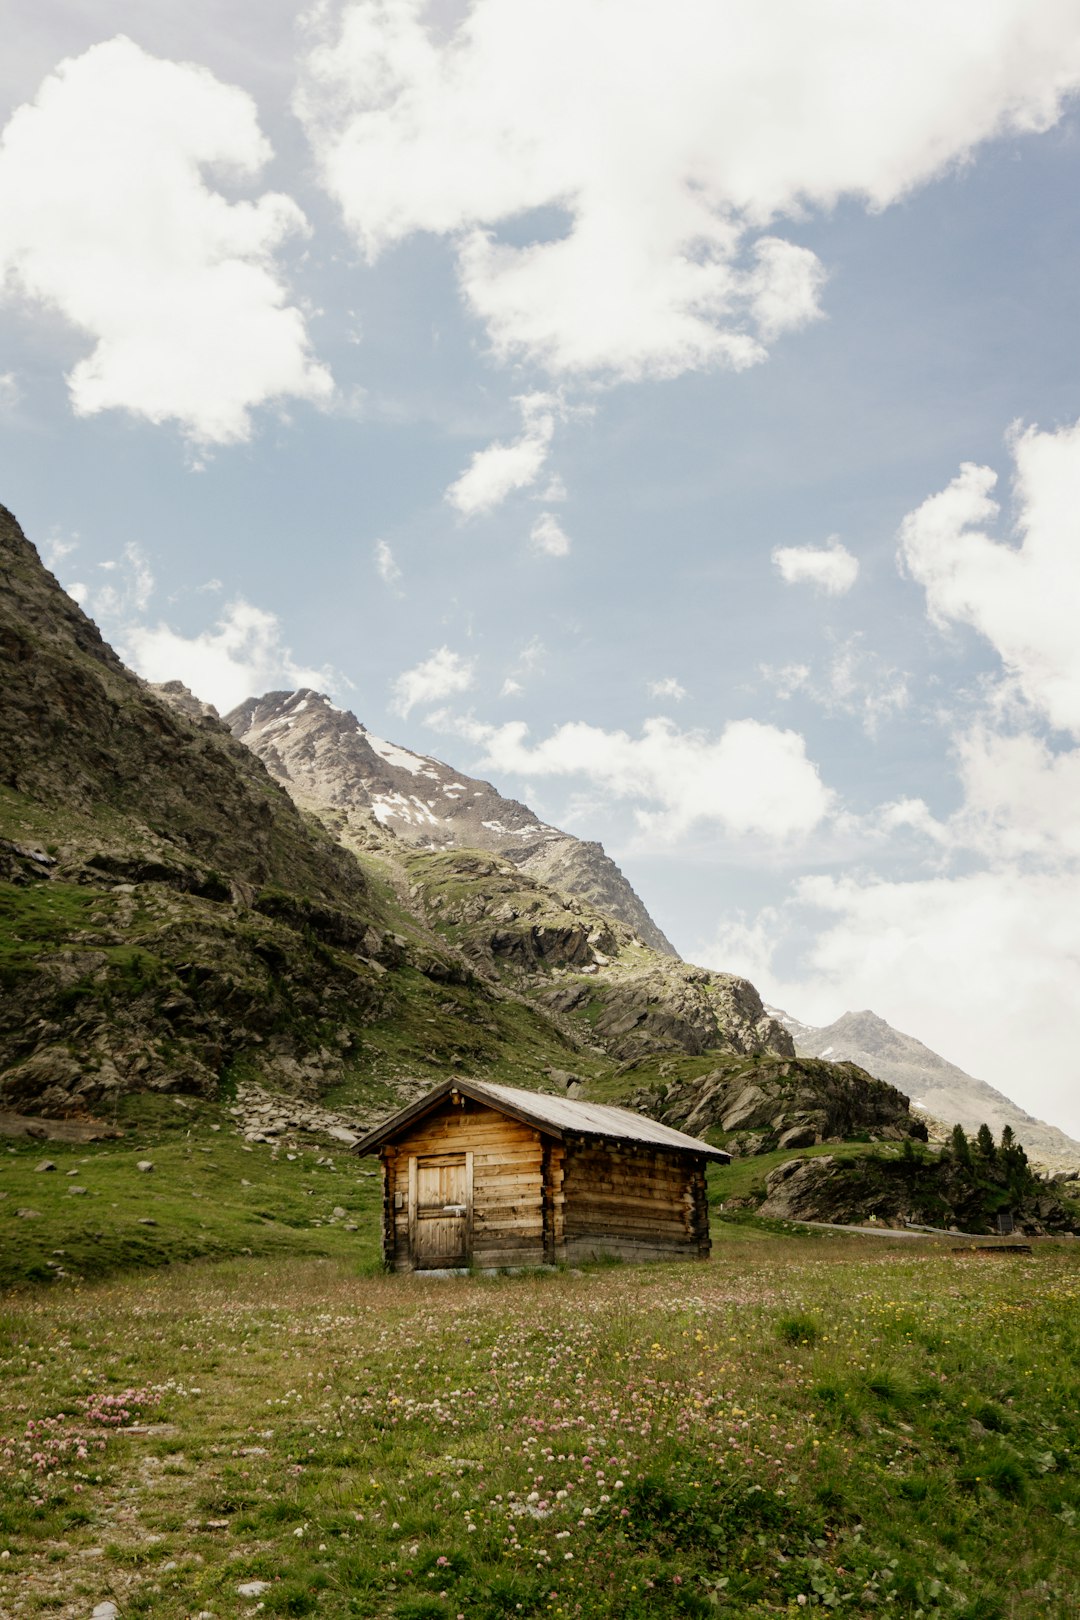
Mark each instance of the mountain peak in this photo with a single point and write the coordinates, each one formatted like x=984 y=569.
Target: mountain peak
x=327 y=757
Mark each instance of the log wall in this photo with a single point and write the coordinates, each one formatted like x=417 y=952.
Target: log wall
x=633 y=1202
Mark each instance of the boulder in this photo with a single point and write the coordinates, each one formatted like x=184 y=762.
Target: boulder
x=799 y=1136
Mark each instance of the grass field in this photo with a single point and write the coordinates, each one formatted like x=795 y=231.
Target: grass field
x=800 y=1423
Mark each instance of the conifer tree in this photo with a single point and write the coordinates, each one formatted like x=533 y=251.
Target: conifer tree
x=985 y=1145
x=961 y=1147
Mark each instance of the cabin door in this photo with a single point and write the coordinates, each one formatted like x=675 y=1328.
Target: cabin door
x=440 y=1189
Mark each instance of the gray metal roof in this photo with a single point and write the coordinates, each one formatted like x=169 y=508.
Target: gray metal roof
x=554 y=1113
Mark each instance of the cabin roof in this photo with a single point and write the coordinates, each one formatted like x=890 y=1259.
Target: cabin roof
x=550 y=1114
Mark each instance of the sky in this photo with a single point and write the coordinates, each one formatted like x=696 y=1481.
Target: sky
x=669 y=412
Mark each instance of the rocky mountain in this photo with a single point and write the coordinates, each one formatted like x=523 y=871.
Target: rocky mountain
x=172 y=920
x=328 y=760
x=934 y=1085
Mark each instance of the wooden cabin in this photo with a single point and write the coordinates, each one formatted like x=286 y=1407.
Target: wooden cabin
x=485 y=1175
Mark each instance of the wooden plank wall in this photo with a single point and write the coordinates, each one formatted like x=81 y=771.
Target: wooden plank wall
x=632 y=1202
x=508 y=1175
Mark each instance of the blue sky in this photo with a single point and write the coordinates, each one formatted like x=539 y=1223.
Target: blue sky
x=582 y=394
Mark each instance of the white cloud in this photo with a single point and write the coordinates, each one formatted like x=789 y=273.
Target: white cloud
x=500 y=469
x=242 y=655
x=1020 y=799
x=787 y=679
x=529 y=660
x=753 y=780
x=855 y=681
x=548 y=536
x=126 y=593
x=385 y=565
x=56 y=548
x=439 y=676
x=669 y=258
x=108 y=219
x=831 y=568
x=10 y=392
x=668 y=687
x=1018 y=808
x=1022 y=598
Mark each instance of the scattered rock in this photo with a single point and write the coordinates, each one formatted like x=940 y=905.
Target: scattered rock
x=253 y=1588
x=105 y=1611
x=144 y=1165
x=46 y=1164
x=72 y=1191
x=29 y=1214
x=146 y=1220
x=339 y=1213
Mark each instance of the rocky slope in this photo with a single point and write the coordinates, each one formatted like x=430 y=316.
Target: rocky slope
x=170 y=920
x=935 y=1085
x=330 y=762
x=591 y=971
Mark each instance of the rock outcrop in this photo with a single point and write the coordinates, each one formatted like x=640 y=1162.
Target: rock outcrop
x=591 y=970
x=782 y=1102
x=330 y=762
x=169 y=919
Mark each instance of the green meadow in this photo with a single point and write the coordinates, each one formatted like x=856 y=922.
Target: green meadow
x=232 y=1412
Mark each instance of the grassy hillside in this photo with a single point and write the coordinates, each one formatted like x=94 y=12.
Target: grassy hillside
x=208 y=1195
x=800 y=1425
